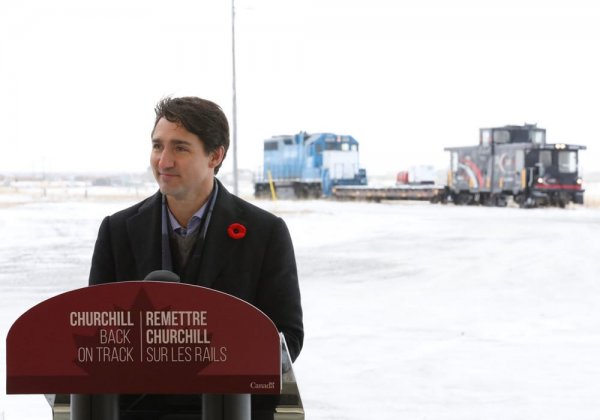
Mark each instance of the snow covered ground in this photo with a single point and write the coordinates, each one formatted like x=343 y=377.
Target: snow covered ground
x=412 y=310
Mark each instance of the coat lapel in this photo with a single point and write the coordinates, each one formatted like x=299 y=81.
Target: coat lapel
x=218 y=245
x=144 y=230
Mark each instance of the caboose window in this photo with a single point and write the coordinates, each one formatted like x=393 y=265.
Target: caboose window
x=519 y=136
x=501 y=136
x=271 y=145
x=486 y=138
x=288 y=142
x=538 y=137
x=345 y=147
x=519 y=159
x=567 y=162
x=545 y=161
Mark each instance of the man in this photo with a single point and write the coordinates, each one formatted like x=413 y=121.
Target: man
x=196 y=228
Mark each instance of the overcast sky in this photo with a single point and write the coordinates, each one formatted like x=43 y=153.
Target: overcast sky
x=79 y=79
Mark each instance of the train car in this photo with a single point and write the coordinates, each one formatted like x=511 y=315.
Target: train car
x=308 y=165
x=417 y=175
x=515 y=162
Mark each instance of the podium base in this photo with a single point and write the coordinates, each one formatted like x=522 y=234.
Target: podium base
x=226 y=407
x=94 y=407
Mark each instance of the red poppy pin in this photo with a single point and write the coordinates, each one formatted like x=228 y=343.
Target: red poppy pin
x=236 y=231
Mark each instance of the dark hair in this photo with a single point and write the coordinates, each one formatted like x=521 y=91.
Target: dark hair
x=200 y=117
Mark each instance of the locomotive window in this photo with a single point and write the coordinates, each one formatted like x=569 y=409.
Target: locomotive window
x=567 y=162
x=288 y=142
x=501 y=136
x=271 y=145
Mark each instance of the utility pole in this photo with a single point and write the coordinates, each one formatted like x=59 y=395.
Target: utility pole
x=234 y=100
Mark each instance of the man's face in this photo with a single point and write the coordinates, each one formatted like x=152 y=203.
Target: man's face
x=179 y=162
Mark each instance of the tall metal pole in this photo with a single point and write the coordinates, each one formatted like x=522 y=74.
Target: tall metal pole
x=234 y=110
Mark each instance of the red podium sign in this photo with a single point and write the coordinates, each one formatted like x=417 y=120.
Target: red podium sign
x=143 y=337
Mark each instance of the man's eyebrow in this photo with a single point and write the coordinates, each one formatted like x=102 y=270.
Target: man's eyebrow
x=174 y=141
x=178 y=142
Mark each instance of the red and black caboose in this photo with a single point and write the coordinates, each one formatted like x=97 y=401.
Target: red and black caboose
x=515 y=161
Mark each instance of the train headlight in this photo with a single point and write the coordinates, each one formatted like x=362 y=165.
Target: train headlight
x=540 y=180
x=579 y=181
x=560 y=146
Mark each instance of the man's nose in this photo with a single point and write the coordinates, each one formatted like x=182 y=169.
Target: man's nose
x=166 y=159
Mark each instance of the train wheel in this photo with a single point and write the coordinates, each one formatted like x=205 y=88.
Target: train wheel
x=488 y=200
x=520 y=199
x=315 y=191
x=261 y=191
x=501 y=200
x=301 y=191
x=526 y=202
x=463 y=198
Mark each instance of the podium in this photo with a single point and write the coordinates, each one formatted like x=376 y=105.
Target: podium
x=91 y=349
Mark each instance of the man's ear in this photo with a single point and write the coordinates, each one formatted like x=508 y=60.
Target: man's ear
x=216 y=157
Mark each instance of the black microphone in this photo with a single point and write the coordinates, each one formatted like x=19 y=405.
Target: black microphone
x=163 y=275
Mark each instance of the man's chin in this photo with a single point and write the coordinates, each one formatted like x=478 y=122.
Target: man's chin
x=167 y=189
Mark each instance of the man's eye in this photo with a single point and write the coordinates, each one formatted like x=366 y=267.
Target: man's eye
x=155 y=146
x=180 y=149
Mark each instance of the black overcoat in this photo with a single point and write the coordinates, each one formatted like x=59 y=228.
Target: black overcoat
x=259 y=268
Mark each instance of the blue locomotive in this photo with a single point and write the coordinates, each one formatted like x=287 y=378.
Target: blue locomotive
x=515 y=161
x=308 y=165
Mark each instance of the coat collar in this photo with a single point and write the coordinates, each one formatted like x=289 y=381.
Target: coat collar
x=219 y=245
x=144 y=230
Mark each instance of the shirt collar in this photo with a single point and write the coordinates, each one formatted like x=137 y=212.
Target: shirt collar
x=193 y=223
